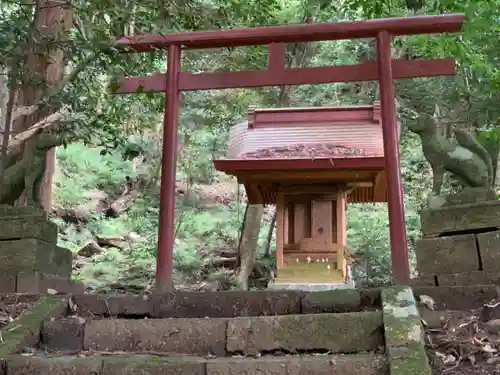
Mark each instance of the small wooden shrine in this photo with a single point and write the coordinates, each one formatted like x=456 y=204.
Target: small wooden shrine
x=310 y=163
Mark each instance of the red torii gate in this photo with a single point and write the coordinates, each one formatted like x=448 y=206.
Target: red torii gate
x=384 y=69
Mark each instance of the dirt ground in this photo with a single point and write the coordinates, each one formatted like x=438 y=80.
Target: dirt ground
x=304 y=151
x=469 y=343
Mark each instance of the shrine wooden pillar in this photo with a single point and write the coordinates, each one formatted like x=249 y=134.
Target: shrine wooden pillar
x=280 y=230
x=341 y=223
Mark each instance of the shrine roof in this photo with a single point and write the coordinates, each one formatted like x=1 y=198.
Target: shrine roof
x=317 y=163
x=315 y=132
x=334 y=145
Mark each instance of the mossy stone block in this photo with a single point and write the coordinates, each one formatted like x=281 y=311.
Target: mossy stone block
x=402 y=331
x=10 y=212
x=12 y=228
x=341 y=300
x=459 y=218
x=398 y=297
x=25 y=330
x=448 y=254
x=20 y=365
x=409 y=360
x=489 y=248
x=338 y=333
x=30 y=255
x=402 y=323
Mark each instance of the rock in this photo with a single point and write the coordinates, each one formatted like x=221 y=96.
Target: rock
x=433 y=319
x=90 y=249
x=63 y=334
x=490 y=311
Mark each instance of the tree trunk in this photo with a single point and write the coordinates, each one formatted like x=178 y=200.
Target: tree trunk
x=44 y=65
x=267 y=253
x=247 y=249
x=496 y=167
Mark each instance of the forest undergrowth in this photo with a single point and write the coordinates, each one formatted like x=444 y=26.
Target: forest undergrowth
x=116 y=250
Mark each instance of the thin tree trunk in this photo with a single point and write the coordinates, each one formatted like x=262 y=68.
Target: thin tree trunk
x=247 y=249
x=496 y=166
x=267 y=253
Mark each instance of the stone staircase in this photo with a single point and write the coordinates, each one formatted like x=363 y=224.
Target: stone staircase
x=344 y=332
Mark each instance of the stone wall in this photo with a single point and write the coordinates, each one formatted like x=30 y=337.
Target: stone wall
x=30 y=260
x=460 y=245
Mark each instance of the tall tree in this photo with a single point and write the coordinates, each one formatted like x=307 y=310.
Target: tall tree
x=43 y=69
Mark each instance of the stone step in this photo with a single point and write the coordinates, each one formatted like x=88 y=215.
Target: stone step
x=358 y=364
x=252 y=336
x=309 y=287
x=227 y=304
x=458 y=297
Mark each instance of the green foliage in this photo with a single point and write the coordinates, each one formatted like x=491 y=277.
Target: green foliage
x=471 y=96
x=84 y=169
x=198 y=231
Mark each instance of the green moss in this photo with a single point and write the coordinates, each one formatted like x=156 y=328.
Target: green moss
x=56 y=366
x=402 y=322
x=410 y=360
x=402 y=331
x=24 y=330
x=400 y=296
x=334 y=297
x=144 y=364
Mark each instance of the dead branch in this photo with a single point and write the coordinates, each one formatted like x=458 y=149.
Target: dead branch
x=223 y=262
x=122 y=203
x=21 y=137
x=118 y=242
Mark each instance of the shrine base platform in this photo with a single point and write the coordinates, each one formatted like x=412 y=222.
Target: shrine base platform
x=310 y=287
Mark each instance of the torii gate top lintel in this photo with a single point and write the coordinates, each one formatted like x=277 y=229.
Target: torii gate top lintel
x=296 y=33
x=384 y=69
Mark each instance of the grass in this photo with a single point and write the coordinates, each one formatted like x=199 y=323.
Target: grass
x=83 y=170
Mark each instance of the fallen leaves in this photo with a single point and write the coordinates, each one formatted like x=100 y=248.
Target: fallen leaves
x=12 y=306
x=304 y=151
x=466 y=338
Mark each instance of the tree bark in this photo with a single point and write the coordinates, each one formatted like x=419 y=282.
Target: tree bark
x=247 y=249
x=270 y=232
x=45 y=65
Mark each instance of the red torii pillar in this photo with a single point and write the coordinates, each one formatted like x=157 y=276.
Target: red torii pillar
x=166 y=232
x=391 y=152
x=384 y=69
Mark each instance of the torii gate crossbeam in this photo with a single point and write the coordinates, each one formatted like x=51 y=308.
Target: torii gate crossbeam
x=384 y=69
